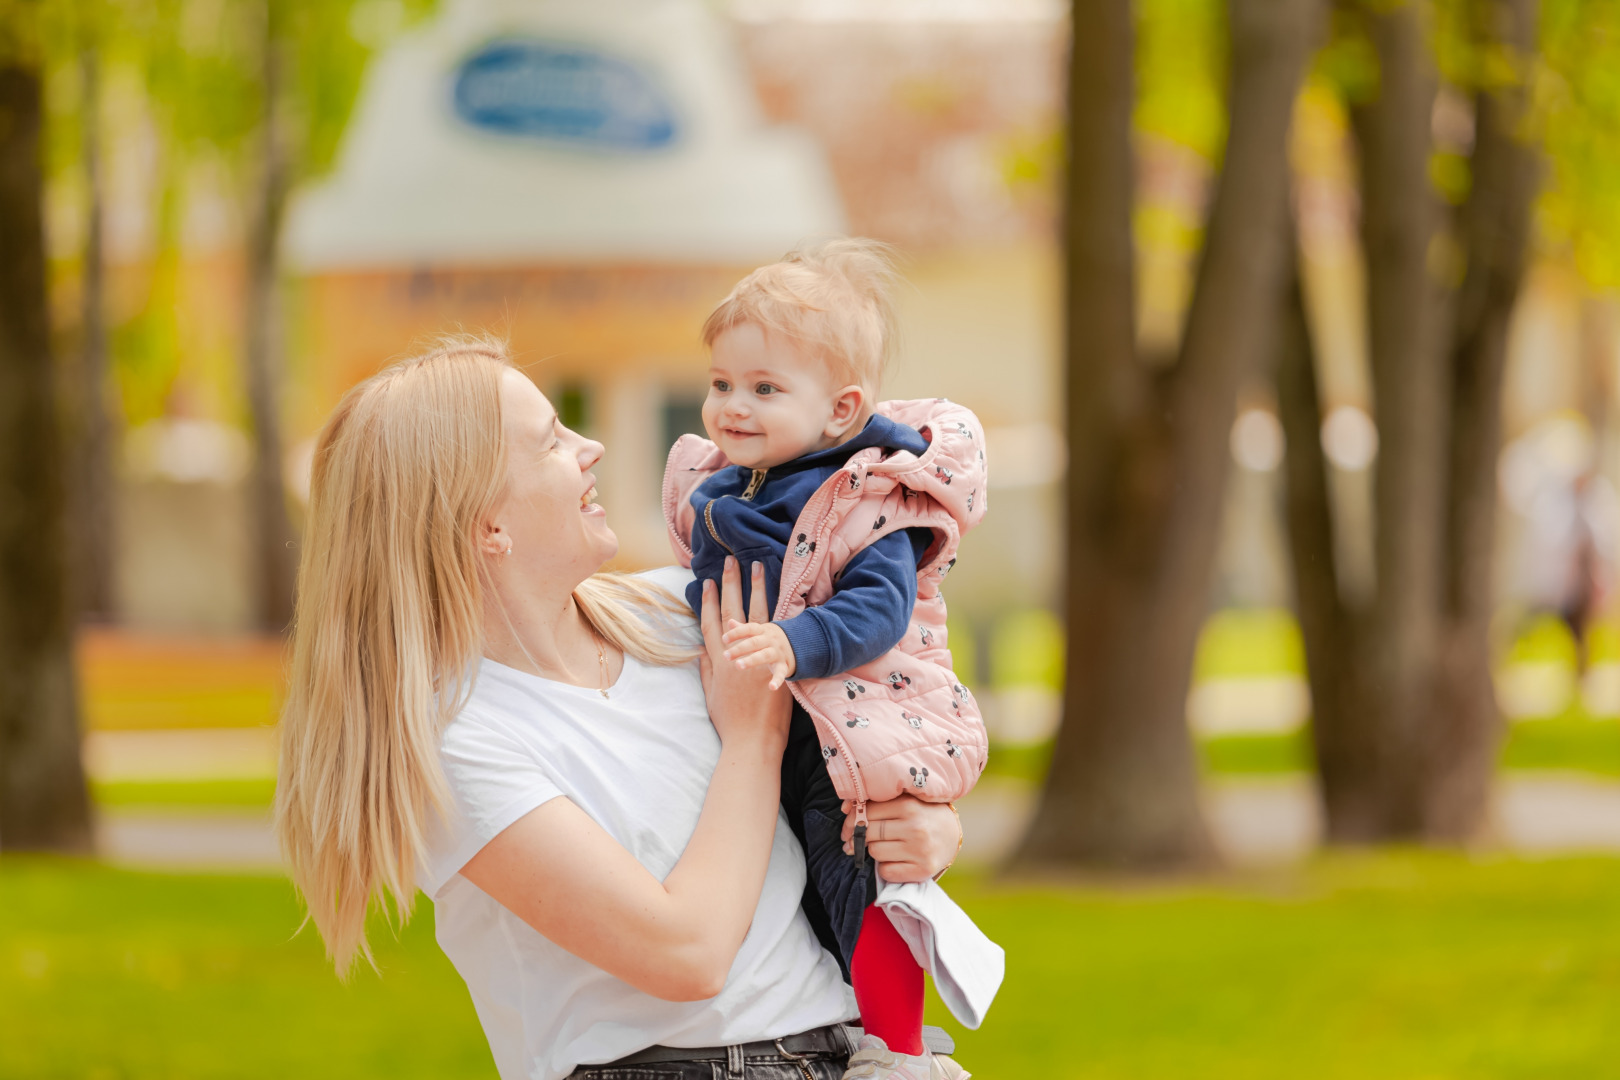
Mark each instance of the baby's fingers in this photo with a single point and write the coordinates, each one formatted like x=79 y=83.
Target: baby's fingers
x=755 y=659
x=737 y=631
x=748 y=646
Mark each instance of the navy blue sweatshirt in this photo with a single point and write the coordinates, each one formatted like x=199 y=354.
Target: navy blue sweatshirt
x=870 y=608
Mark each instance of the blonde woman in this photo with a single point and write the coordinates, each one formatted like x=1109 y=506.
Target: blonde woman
x=550 y=752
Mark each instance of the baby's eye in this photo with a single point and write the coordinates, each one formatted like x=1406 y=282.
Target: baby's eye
x=764 y=388
x=721 y=385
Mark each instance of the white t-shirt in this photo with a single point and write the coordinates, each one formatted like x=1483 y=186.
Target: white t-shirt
x=639 y=764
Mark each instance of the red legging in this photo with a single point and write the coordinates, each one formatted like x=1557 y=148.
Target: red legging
x=888 y=984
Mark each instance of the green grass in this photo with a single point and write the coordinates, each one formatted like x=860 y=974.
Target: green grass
x=121 y=975
x=1237 y=755
x=184 y=794
x=1238 y=643
x=1578 y=744
x=1388 y=966
x=1573 y=745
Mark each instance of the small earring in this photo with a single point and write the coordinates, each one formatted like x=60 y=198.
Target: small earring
x=508 y=550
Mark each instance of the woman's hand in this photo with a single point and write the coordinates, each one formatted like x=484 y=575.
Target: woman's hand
x=911 y=840
x=742 y=704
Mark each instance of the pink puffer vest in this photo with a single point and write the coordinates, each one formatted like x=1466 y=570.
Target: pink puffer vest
x=903 y=723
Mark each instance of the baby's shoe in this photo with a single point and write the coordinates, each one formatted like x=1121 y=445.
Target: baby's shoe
x=873 y=1060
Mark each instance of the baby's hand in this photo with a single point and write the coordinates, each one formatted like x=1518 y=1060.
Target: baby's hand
x=752 y=644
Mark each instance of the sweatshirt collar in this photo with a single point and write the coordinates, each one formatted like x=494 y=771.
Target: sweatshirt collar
x=879 y=431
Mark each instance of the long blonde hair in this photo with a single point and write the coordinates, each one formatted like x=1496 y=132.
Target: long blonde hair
x=389 y=626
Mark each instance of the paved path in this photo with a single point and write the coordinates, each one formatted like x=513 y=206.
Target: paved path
x=1256 y=822
x=181 y=841
x=1259 y=821
x=194 y=754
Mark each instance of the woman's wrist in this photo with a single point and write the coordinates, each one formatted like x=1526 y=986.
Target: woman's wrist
x=755 y=737
x=961 y=836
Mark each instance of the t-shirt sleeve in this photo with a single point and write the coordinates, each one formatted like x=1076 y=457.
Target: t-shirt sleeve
x=494 y=780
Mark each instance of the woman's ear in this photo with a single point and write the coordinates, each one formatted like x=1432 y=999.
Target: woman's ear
x=846 y=409
x=492 y=540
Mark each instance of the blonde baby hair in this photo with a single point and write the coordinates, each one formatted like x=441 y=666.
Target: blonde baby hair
x=388 y=629
x=835 y=296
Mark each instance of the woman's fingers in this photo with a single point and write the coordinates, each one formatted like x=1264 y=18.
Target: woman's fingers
x=709 y=617
x=731 y=607
x=883 y=831
x=757 y=612
x=705 y=673
x=902 y=812
x=907 y=830
x=901 y=873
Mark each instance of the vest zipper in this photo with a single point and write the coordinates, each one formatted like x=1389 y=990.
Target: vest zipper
x=755 y=482
x=859 y=844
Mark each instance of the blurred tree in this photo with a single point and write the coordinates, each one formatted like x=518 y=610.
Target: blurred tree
x=1405 y=721
x=94 y=416
x=263 y=88
x=310 y=59
x=43 y=804
x=1147 y=441
x=261 y=350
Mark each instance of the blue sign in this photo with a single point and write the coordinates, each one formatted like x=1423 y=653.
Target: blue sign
x=554 y=91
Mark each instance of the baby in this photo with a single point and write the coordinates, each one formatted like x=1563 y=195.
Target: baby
x=855 y=508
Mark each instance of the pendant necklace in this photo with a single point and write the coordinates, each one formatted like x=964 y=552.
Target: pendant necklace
x=601 y=660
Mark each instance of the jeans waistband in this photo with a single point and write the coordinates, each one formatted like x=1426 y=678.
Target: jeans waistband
x=834 y=1040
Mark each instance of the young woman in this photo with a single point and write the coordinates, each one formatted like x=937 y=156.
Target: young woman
x=476 y=709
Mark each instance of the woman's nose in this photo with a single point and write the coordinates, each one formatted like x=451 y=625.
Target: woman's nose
x=590 y=452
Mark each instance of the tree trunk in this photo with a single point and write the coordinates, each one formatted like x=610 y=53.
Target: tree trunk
x=94 y=494
x=1148 y=457
x=42 y=792
x=1345 y=743
x=273 y=533
x=1410 y=391
x=1405 y=718
x=1495 y=227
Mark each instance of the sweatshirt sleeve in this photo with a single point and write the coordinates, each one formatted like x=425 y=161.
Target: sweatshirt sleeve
x=868 y=612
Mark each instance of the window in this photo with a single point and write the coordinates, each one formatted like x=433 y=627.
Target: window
x=683 y=415
x=574 y=407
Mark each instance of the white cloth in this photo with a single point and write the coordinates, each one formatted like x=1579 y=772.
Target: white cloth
x=639 y=764
x=966 y=965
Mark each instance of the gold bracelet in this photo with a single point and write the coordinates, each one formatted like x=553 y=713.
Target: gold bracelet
x=960 y=837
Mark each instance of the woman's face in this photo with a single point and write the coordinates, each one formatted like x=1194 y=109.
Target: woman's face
x=548 y=511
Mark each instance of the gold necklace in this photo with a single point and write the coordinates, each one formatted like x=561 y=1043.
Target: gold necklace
x=601 y=660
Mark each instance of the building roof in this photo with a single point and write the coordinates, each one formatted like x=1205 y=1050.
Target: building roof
x=563 y=130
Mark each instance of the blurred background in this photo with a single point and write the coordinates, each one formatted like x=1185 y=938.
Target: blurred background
x=1294 y=329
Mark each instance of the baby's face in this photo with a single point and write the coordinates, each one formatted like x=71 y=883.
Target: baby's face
x=770 y=400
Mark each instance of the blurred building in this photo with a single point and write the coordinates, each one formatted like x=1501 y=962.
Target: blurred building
x=589 y=179
x=586 y=180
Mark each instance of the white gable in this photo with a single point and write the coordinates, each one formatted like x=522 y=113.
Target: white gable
x=546 y=130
